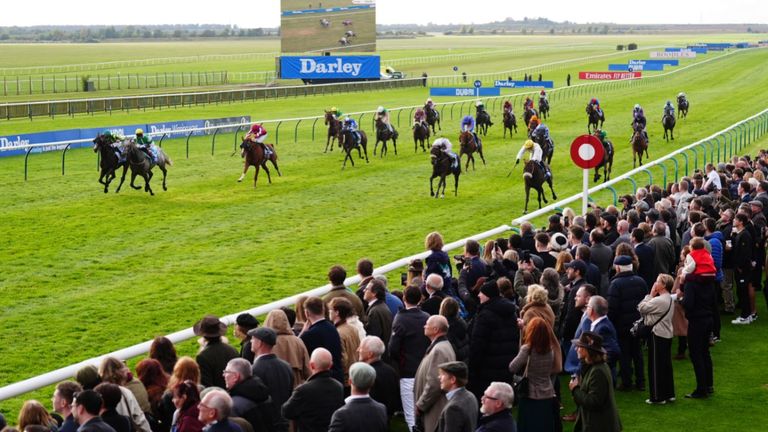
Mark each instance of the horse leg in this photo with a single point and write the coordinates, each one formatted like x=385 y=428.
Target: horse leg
x=256 y=175
x=438 y=126
x=165 y=174
x=442 y=183
x=266 y=170
x=245 y=170
x=133 y=177
x=472 y=158
x=431 y=181
x=597 y=175
x=147 y=178
x=394 y=145
x=456 y=184
x=122 y=179
x=274 y=163
x=527 y=197
x=365 y=152
x=552 y=189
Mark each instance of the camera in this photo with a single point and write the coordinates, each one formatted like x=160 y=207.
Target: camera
x=459 y=258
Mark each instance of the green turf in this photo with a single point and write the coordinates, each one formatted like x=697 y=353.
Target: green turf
x=85 y=273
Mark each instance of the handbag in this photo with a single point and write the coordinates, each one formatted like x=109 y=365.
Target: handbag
x=520 y=383
x=642 y=331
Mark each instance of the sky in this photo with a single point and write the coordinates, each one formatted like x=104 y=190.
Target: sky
x=266 y=13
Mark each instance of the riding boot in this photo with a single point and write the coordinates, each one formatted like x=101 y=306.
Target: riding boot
x=477 y=140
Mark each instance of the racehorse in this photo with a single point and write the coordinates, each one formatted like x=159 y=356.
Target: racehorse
x=383 y=135
x=141 y=165
x=433 y=117
x=420 y=135
x=534 y=177
x=325 y=23
x=343 y=41
x=469 y=146
x=349 y=144
x=254 y=156
x=349 y=34
x=334 y=130
x=607 y=162
x=547 y=147
x=668 y=121
x=483 y=120
x=543 y=107
x=109 y=162
x=639 y=145
x=509 y=122
x=530 y=112
x=593 y=117
x=442 y=167
x=682 y=107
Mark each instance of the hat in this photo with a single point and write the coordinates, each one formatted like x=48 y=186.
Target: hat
x=88 y=377
x=264 y=334
x=209 y=326
x=490 y=289
x=554 y=218
x=416 y=265
x=247 y=321
x=641 y=205
x=578 y=265
x=622 y=260
x=558 y=242
x=591 y=341
x=455 y=368
x=756 y=203
x=529 y=144
x=611 y=219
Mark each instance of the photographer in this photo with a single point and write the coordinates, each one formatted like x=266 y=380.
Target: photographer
x=470 y=263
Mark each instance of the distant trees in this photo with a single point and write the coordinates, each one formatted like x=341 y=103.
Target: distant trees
x=103 y=33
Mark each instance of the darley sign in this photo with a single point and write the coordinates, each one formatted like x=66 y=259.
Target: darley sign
x=318 y=67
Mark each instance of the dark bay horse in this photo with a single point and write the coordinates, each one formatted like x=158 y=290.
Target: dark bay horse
x=349 y=144
x=383 y=134
x=334 y=130
x=534 y=177
x=668 y=121
x=433 y=118
x=420 y=135
x=543 y=107
x=530 y=112
x=509 y=122
x=682 y=107
x=468 y=147
x=442 y=167
x=254 y=156
x=593 y=118
x=547 y=147
x=639 y=145
x=482 y=122
x=607 y=162
x=141 y=165
x=109 y=162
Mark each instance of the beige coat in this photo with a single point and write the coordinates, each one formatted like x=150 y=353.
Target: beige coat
x=430 y=400
x=289 y=347
x=350 y=341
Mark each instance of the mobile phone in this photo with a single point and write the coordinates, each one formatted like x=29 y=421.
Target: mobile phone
x=403 y=279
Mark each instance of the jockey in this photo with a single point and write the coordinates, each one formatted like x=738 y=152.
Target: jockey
x=669 y=109
x=596 y=105
x=536 y=155
x=543 y=95
x=541 y=133
x=638 y=116
x=681 y=96
x=533 y=123
x=351 y=125
x=420 y=117
x=146 y=145
x=258 y=135
x=445 y=145
x=468 y=125
x=383 y=115
x=508 y=107
x=528 y=103
x=601 y=134
x=429 y=104
x=479 y=106
x=336 y=113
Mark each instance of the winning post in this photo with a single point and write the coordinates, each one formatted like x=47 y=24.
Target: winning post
x=586 y=152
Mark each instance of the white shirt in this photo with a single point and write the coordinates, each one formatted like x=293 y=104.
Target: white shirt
x=594 y=323
x=713 y=178
x=537 y=152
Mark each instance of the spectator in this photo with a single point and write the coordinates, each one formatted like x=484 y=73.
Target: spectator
x=88 y=377
x=301 y=318
x=321 y=333
x=114 y=371
x=379 y=322
x=742 y=248
x=645 y=256
x=34 y=413
x=215 y=410
x=340 y=310
x=360 y=411
x=407 y=347
x=313 y=403
x=154 y=379
x=437 y=261
x=289 y=347
x=336 y=275
x=622 y=228
x=274 y=372
x=162 y=350
x=111 y=396
x=699 y=302
x=430 y=400
x=600 y=324
x=536 y=306
x=386 y=388
x=434 y=286
x=394 y=304
x=473 y=268
x=85 y=409
x=186 y=398
x=570 y=316
x=550 y=280
x=62 y=404
x=664 y=250
x=457 y=328
x=365 y=271
x=496 y=409
x=244 y=323
x=572 y=364
x=250 y=396
x=460 y=413
x=527 y=241
x=215 y=353
x=657 y=311
x=592 y=389
x=601 y=256
x=593 y=274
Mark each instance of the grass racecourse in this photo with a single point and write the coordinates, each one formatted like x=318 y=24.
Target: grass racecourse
x=84 y=273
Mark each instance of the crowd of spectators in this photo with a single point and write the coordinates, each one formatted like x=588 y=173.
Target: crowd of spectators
x=567 y=300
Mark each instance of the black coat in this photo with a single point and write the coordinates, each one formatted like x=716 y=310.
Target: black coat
x=627 y=290
x=323 y=334
x=277 y=375
x=494 y=342
x=313 y=403
x=459 y=338
x=251 y=401
x=570 y=316
x=386 y=388
x=364 y=414
x=379 y=321
x=212 y=361
x=96 y=424
x=408 y=343
x=699 y=297
x=502 y=421
x=528 y=242
x=645 y=258
x=432 y=304
x=741 y=251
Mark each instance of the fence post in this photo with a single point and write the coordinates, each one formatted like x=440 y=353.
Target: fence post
x=237 y=132
x=615 y=195
x=634 y=184
x=26 y=157
x=160 y=143
x=676 y=168
x=213 y=140
x=398 y=117
x=650 y=176
x=188 y=136
x=695 y=157
x=664 y=171
x=277 y=132
x=452 y=105
x=63 y=156
x=313 y=128
x=685 y=156
x=296 y=132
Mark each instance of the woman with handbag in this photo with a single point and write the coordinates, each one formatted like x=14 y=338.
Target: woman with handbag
x=657 y=310
x=536 y=361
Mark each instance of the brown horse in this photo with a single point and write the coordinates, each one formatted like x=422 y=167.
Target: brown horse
x=668 y=121
x=639 y=145
x=593 y=118
x=109 y=161
x=334 y=130
x=528 y=114
x=420 y=135
x=442 y=167
x=433 y=118
x=141 y=165
x=349 y=144
x=509 y=122
x=254 y=156
x=534 y=177
x=607 y=162
x=543 y=107
x=469 y=146
x=383 y=134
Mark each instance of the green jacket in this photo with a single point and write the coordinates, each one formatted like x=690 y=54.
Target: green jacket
x=595 y=399
x=144 y=139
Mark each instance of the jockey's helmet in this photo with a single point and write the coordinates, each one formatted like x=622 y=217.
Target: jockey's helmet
x=681 y=94
x=107 y=132
x=542 y=92
x=139 y=131
x=603 y=134
x=669 y=102
x=593 y=101
x=478 y=103
x=380 y=109
x=334 y=109
x=637 y=107
x=347 y=119
x=429 y=100
x=534 y=119
x=254 y=128
x=528 y=145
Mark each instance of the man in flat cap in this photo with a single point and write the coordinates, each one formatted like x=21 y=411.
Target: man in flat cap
x=274 y=372
x=627 y=290
x=215 y=355
x=460 y=413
